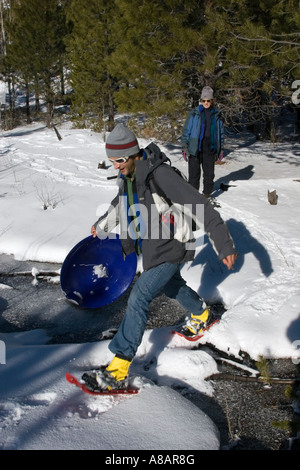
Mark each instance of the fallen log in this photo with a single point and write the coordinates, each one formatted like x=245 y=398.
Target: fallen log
x=246 y=378
x=30 y=273
x=56 y=132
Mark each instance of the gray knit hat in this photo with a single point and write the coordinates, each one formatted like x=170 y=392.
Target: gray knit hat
x=207 y=93
x=121 y=142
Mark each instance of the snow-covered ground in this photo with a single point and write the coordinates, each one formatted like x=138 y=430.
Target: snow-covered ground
x=38 y=408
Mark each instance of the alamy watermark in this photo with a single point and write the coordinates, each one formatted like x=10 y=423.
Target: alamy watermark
x=296 y=357
x=296 y=93
x=162 y=221
x=2 y=352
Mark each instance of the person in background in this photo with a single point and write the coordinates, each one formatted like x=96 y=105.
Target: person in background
x=202 y=141
x=146 y=179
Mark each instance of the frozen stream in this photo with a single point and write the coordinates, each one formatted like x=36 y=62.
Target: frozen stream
x=28 y=305
x=28 y=302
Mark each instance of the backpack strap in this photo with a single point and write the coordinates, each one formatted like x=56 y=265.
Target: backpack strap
x=158 y=189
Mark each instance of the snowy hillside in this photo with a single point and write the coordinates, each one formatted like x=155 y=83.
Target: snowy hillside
x=51 y=193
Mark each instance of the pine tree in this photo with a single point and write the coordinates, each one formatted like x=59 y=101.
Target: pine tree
x=36 y=49
x=260 y=51
x=89 y=48
x=154 y=57
x=7 y=73
x=150 y=58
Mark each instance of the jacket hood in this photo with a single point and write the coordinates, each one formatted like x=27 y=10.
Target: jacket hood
x=153 y=158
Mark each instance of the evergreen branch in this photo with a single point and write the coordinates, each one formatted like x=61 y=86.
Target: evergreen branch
x=265 y=39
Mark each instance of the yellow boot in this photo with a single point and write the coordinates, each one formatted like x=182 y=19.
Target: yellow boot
x=197 y=322
x=118 y=368
x=113 y=377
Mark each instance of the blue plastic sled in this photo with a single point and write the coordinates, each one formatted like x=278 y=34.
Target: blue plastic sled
x=95 y=273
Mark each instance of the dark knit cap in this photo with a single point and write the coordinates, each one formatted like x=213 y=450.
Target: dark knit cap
x=121 y=142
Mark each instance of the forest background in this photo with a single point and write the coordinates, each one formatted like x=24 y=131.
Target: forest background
x=150 y=58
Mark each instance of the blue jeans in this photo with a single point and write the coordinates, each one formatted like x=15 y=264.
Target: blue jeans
x=165 y=278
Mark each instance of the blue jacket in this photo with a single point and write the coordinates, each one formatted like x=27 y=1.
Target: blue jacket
x=193 y=131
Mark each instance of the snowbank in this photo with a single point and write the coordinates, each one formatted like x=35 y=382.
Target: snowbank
x=51 y=193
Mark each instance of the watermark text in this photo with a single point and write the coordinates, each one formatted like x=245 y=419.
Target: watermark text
x=2 y=352
x=296 y=357
x=296 y=93
x=162 y=222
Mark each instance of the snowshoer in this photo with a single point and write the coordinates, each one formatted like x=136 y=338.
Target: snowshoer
x=202 y=141
x=149 y=210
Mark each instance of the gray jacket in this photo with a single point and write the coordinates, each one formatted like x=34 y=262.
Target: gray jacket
x=164 y=241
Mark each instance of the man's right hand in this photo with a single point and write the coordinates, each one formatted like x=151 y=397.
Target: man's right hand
x=93 y=231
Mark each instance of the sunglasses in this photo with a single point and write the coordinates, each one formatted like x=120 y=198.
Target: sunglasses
x=119 y=160
x=205 y=101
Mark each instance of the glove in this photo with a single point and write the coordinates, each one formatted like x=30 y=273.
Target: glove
x=185 y=153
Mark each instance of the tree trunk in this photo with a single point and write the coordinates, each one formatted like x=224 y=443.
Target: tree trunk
x=28 y=104
x=37 y=97
x=49 y=103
